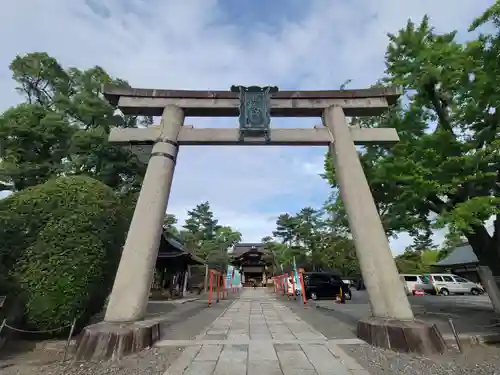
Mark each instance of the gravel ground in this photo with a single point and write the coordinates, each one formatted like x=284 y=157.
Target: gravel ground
x=149 y=362
x=45 y=358
x=476 y=360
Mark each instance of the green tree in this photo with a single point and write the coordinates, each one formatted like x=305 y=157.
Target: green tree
x=340 y=253
x=422 y=237
x=202 y=232
x=199 y=229
x=447 y=162
x=312 y=238
x=416 y=261
x=227 y=237
x=62 y=128
x=285 y=229
x=274 y=248
x=35 y=143
x=201 y=220
x=217 y=248
x=169 y=222
x=309 y=233
x=290 y=244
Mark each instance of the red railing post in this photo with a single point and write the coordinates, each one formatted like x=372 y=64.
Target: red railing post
x=210 y=290
x=218 y=286
x=301 y=278
x=224 y=289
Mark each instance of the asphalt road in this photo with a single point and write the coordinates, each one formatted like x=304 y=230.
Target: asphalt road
x=469 y=313
x=361 y=297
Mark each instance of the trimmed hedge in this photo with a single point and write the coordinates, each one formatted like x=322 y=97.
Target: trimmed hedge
x=61 y=242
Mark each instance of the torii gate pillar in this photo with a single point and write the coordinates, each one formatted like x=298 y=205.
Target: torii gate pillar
x=392 y=325
x=129 y=297
x=372 y=248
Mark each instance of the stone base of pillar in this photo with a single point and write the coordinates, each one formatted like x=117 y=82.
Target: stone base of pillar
x=413 y=336
x=112 y=341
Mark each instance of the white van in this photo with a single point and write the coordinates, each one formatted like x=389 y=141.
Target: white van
x=447 y=283
x=416 y=282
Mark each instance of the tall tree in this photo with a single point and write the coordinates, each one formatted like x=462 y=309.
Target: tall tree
x=300 y=230
x=62 y=128
x=447 y=163
x=201 y=222
x=169 y=224
x=285 y=229
x=227 y=237
x=312 y=238
x=217 y=248
x=201 y=231
x=34 y=143
x=416 y=261
x=308 y=233
x=422 y=237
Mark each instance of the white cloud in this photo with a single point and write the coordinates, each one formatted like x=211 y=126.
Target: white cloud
x=195 y=44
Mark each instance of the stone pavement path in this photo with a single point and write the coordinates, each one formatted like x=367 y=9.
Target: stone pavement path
x=259 y=335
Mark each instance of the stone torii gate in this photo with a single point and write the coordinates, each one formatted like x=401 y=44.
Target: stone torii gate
x=393 y=324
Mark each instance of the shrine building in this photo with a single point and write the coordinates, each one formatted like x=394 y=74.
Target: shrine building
x=254 y=261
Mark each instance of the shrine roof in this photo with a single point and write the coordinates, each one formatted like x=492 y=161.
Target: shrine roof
x=463 y=254
x=243 y=248
x=391 y=94
x=171 y=246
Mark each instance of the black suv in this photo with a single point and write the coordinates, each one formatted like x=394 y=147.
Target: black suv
x=324 y=285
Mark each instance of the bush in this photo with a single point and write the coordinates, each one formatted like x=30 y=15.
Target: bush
x=63 y=242
x=12 y=308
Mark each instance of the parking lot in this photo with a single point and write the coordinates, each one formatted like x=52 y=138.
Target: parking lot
x=361 y=296
x=470 y=314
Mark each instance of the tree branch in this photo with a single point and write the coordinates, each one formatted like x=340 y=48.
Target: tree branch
x=440 y=104
x=437 y=205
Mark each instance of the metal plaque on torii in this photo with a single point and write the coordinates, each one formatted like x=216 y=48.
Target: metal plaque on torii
x=255 y=110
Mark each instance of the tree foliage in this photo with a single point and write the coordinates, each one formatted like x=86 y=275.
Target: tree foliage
x=419 y=262
x=62 y=126
x=445 y=171
x=312 y=239
x=169 y=222
x=202 y=233
x=62 y=246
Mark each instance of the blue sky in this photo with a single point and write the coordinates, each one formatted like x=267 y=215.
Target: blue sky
x=210 y=44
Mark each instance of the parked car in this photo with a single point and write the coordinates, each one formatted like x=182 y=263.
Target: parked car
x=447 y=283
x=323 y=285
x=417 y=282
x=351 y=283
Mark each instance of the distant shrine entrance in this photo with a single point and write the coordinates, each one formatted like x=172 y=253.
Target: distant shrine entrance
x=392 y=323
x=254 y=262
